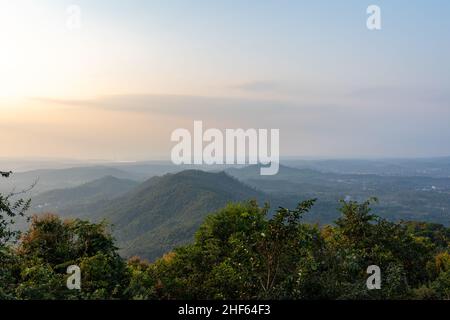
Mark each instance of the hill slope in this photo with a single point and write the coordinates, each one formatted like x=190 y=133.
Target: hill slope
x=51 y=179
x=164 y=212
x=73 y=200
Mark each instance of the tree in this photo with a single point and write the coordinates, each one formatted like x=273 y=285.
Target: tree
x=241 y=252
x=9 y=210
x=238 y=253
x=52 y=244
x=360 y=239
x=9 y=265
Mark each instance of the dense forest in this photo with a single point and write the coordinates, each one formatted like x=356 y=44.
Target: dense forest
x=239 y=252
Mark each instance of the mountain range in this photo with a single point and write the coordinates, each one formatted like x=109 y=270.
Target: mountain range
x=151 y=217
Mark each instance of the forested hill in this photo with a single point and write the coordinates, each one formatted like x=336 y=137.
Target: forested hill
x=166 y=211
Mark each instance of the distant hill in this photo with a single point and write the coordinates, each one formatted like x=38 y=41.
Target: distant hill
x=165 y=211
x=50 y=179
x=61 y=178
x=148 y=169
x=76 y=200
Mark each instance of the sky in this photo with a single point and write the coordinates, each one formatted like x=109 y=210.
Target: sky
x=116 y=86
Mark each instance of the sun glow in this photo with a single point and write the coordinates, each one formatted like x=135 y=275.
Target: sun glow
x=39 y=56
x=21 y=56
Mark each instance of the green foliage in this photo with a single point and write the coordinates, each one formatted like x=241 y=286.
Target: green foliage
x=10 y=269
x=51 y=245
x=242 y=251
x=361 y=239
x=442 y=285
x=8 y=212
x=105 y=276
x=9 y=266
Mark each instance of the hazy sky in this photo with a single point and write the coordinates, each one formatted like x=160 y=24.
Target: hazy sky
x=136 y=70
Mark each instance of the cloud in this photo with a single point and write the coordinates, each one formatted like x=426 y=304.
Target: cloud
x=191 y=107
x=392 y=128
x=402 y=96
x=258 y=86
